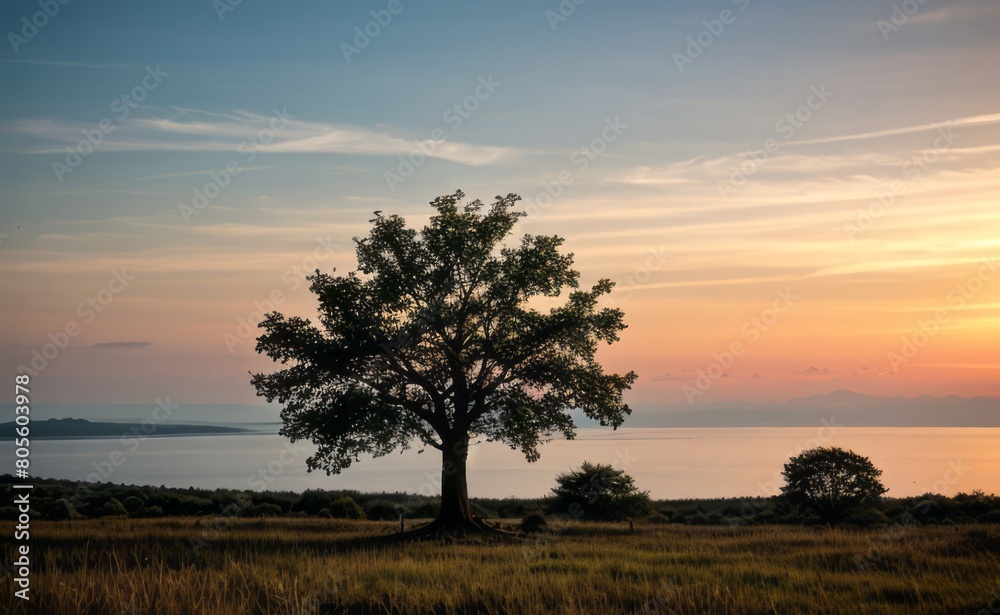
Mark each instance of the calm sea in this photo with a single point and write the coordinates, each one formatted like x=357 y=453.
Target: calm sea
x=670 y=463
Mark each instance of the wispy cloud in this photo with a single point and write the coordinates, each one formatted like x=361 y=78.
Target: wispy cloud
x=225 y=132
x=956 y=12
x=115 y=66
x=975 y=120
x=794 y=177
x=187 y=174
x=122 y=344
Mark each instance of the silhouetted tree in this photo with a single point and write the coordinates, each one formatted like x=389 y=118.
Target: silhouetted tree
x=599 y=492
x=440 y=337
x=832 y=482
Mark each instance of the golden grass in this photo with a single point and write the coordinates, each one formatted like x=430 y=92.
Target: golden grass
x=299 y=565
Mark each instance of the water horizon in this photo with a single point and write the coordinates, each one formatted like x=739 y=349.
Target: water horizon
x=671 y=463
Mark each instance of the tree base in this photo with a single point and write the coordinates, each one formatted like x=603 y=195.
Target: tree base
x=455 y=529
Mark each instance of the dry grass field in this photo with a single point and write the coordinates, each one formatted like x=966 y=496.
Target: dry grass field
x=307 y=565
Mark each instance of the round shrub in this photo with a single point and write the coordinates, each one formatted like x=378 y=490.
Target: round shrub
x=345 y=508
x=113 y=508
x=599 y=492
x=134 y=505
x=266 y=510
x=59 y=510
x=533 y=523
x=382 y=510
x=831 y=483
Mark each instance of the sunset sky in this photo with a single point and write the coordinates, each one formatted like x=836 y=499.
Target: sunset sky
x=817 y=184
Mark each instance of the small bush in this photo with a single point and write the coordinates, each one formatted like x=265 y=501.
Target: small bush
x=113 y=508
x=658 y=517
x=932 y=509
x=706 y=519
x=764 y=518
x=60 y=510
x=832 y=483
x=345 y=508
x=184 y=505
x=599 y=492
x=134 y=505
x=382 y=510
x=312 y=501
x=972 y=504
x=425 y=510
x=991 y=517
x=533 y=523
x=508 y=511
x=866 y=517
x=266 y=510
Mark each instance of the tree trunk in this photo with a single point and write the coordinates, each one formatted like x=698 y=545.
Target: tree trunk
x=455 y=518
x=455 y=511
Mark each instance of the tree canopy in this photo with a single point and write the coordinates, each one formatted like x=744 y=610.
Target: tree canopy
x=832 y=482
x=599 y=492
x=440 y=336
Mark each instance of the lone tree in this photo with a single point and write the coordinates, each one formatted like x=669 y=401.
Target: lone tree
x=440 y=337
x=832 y=482
x=600 y=493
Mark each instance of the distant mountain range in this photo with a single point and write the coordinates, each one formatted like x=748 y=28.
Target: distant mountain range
x=843 y=407
x=81 y=428
x=237 y=415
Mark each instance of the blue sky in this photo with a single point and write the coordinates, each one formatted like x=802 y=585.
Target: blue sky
x=556 y=89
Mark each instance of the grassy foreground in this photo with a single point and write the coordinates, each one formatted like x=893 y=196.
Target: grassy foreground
x=305 y=565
